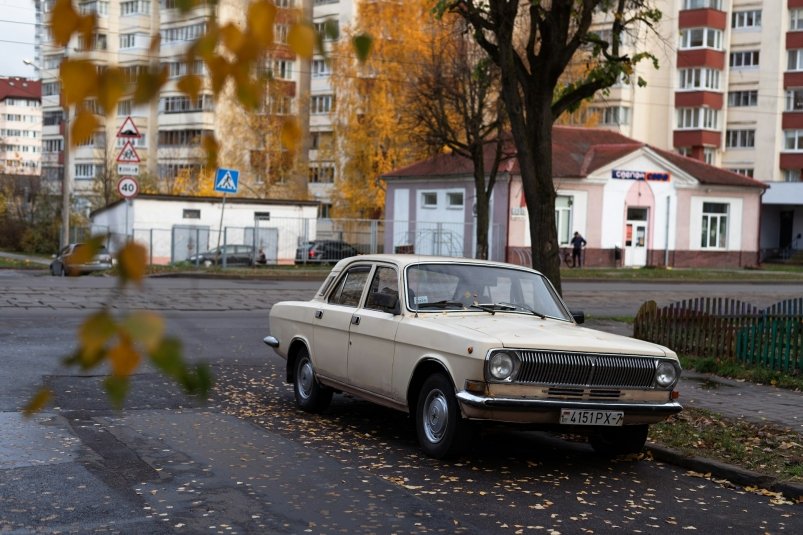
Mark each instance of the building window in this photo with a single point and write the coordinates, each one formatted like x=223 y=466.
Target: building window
x=793 y=140
x=795 y=60
x=50 y=89
x=715 y=225
x=702 y=4
x=698 y=119
x=282 y=69
x=563 y=218
x=746 y=58
x=700 y=78
x=746 y=19
x=84 y=171
x=182 y=104
x=135 y=7
x=191 y=214
x=701 y=38
x=613 y=115
x=183 y=33
x=124 y=108
x=740 y=139
x=746 y=171
x=796 y=19
x=322 y=104
x=328 y=29
x=284 y=3
x=325 y=210
x=743 y=98
x=320 y=68
x=322 y=173
x=454 y=199
x=280 y=33
x=128 y=40
x=791 y=175
x=794 y=99
x=429 y=199
x=709 y=155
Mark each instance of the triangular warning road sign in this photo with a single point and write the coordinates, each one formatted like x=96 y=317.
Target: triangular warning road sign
x=128 y=154
x=128 y=129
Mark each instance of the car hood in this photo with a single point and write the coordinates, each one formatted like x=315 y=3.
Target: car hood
x=530 y=332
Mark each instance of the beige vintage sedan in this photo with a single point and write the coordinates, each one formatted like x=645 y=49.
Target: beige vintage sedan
x=454 y=342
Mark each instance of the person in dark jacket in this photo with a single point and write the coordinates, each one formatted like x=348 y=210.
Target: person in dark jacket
x=578 y=242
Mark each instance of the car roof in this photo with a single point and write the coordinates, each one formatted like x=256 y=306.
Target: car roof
x=404 y=260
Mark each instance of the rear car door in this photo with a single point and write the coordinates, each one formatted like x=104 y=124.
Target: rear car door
x=331 y=322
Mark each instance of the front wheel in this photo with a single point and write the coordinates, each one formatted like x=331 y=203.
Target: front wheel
x=310 y=395
x=442 y=431
x=619 y=440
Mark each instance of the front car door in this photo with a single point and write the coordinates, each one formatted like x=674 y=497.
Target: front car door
x=373 y=334
x=331 y=322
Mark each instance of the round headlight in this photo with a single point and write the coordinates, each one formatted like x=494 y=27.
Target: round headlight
x=501 y=366
x=665 y=374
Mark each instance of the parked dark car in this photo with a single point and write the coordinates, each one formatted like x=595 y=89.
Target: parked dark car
x=236 y=255
x=69 y=261
x=324 y=251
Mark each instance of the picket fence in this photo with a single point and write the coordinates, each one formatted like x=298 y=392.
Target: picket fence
x=728 y=329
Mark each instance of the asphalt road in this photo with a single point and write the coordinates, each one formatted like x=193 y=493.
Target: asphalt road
x=247 y=461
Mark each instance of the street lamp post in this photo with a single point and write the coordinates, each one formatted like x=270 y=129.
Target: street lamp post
x=65 y=175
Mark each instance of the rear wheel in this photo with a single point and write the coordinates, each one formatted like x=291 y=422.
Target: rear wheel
x=311 y=396
x=619 y=440
x=442 y=431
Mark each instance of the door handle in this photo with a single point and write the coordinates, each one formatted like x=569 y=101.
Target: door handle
x=318 y=314
x=355 y=320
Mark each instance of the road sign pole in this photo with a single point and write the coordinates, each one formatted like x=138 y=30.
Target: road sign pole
x=220 y=230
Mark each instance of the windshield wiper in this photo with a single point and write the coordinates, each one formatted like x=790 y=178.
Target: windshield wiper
x=486 y=308
x=440 y=304
x=522 y=307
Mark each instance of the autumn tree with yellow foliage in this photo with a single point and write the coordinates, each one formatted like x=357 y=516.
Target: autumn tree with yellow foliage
x=373 y=129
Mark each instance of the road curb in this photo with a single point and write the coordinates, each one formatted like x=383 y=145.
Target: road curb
x=734 y=474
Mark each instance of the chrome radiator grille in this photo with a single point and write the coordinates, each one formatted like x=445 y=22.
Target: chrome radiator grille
x=579 y=369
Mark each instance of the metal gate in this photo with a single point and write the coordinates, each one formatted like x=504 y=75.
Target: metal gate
x=188 y=240
x=265 y=241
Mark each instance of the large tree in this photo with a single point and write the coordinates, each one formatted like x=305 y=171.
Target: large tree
x=455 y=101
x=533 y=42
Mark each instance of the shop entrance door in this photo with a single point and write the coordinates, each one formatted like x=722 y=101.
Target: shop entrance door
x=636 y=237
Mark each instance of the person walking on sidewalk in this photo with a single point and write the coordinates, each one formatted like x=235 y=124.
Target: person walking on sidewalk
x=578 y=242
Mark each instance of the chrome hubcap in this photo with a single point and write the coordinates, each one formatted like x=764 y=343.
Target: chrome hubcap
x=436 y=416
x=305 y=379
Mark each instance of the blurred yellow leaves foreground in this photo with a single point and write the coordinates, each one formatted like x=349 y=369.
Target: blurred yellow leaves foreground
x=233 y=53
x=123 y=343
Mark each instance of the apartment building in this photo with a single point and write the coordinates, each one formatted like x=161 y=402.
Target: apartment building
x=729 y=90
x=170 y=130
x=20 y=126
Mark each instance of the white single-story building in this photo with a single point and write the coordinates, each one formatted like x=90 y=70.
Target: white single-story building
x=635 y=205
x=175 y=227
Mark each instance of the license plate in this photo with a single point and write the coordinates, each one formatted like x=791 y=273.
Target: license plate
x=586 y=417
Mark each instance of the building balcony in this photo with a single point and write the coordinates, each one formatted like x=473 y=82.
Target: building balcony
x=699 y=99
x=696 y=138
x=792 y=79
x=791 y=160
x=701 y=57
x=696 y=18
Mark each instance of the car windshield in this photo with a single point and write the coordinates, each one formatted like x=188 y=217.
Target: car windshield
x=460 y=287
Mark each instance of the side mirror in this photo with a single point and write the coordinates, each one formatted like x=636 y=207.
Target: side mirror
x=579 y=316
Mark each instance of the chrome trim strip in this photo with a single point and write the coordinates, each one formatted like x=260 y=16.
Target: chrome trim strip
x=670 y=407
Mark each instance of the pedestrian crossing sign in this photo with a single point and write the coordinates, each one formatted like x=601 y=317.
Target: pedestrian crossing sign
x=226 y=180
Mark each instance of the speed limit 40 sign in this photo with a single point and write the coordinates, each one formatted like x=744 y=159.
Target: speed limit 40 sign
x=128 y=187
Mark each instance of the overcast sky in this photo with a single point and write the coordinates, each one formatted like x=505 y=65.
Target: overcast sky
x=17 y=25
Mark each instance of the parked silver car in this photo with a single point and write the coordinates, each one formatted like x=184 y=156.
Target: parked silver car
x=71 y=261
x=456 y=342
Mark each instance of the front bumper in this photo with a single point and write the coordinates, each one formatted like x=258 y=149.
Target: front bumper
x=528 y=410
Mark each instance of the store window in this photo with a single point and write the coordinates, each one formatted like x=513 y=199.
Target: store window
x=715 y=225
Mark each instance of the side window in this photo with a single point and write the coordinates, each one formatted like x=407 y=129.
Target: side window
x=384 y=291
x=349 y=290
